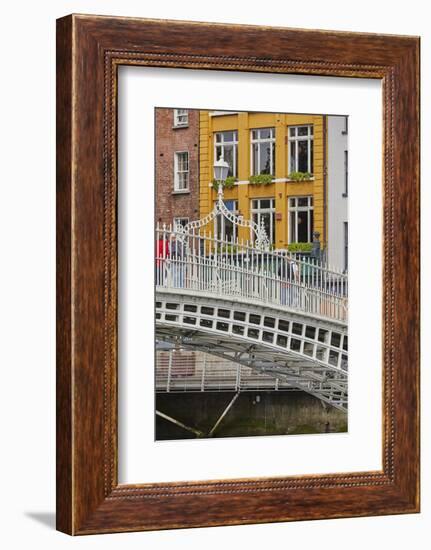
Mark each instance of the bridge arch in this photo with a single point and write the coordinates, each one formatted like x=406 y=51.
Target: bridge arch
x=310 y=351
x=270 y=310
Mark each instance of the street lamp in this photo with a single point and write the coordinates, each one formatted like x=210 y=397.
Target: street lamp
x=221 y=169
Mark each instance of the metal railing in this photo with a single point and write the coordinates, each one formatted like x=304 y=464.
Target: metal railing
x=199 y=261
x=178 y=371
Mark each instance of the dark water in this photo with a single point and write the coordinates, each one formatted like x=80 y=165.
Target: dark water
x=252 y=414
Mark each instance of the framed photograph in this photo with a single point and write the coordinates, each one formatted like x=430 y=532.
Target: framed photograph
x=237 y=274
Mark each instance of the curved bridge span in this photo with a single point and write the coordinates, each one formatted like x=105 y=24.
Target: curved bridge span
x=279 y=314
x=306 y=351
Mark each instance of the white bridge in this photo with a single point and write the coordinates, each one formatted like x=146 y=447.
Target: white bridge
x=284 y=318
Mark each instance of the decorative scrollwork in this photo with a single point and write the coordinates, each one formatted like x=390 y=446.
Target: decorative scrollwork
x=261 y=238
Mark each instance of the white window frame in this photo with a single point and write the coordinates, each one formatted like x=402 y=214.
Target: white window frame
x=223 y=222
x=295 y=139
x=259 y=211
x=224 y=143
x=180 y=221
x=260 y=141
x=181 y=118
x=177 y=187
x=294 y=210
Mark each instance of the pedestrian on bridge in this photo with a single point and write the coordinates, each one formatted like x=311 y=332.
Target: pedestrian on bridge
x=177 y=265
x=162 y=257
x=288 y=272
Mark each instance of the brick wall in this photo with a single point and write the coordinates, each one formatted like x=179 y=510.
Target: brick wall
x=171 y=204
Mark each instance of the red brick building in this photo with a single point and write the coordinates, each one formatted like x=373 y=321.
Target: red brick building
x=177 y=165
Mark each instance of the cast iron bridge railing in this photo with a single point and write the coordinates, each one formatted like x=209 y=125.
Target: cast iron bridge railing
x=198 y=261
x=280 y=315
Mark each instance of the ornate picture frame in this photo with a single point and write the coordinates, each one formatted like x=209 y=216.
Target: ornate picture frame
x=89 y=51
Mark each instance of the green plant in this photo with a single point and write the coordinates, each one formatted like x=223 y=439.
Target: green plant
x=299 y=247
x=261 y=179
x=228 y=184
x=300 y=176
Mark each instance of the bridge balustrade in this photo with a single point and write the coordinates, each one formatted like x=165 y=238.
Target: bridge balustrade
x=201 y=262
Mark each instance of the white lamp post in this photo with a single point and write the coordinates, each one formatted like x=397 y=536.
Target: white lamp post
x=221 y=170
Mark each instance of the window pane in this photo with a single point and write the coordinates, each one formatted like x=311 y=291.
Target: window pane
x=183 y=180
x=228 y=136
x=255 y=134
x=228 y=229
x=228 y=157
x=292 y=233
x=292 y=132
x=302 y=227
x=255 y=159
x=255 y=204
x=292 y=156
x=265 y=133
x=292 y=201
x=181 y=117
x=311 y=157
x=265 y=203
x=218 y=226
x=303 y=201
x=303 y=131
x=218 y=138
x=183 y=162
x=265 y=158
x=302 y=156
x=267 y=224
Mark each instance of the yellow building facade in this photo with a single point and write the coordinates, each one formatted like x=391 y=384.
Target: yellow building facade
x=287 y=148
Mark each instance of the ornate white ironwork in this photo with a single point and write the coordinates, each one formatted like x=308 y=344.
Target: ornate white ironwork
x=308 y=353
x=230 y=267
x=278 y=314
x=261 y=241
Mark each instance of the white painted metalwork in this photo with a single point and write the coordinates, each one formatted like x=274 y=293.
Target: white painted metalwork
x=182 y=371
x=190 y=259
x=261 y=241
x=276 y=313
x=310 y=353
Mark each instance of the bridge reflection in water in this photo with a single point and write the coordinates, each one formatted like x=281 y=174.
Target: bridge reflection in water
x=270 y=317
